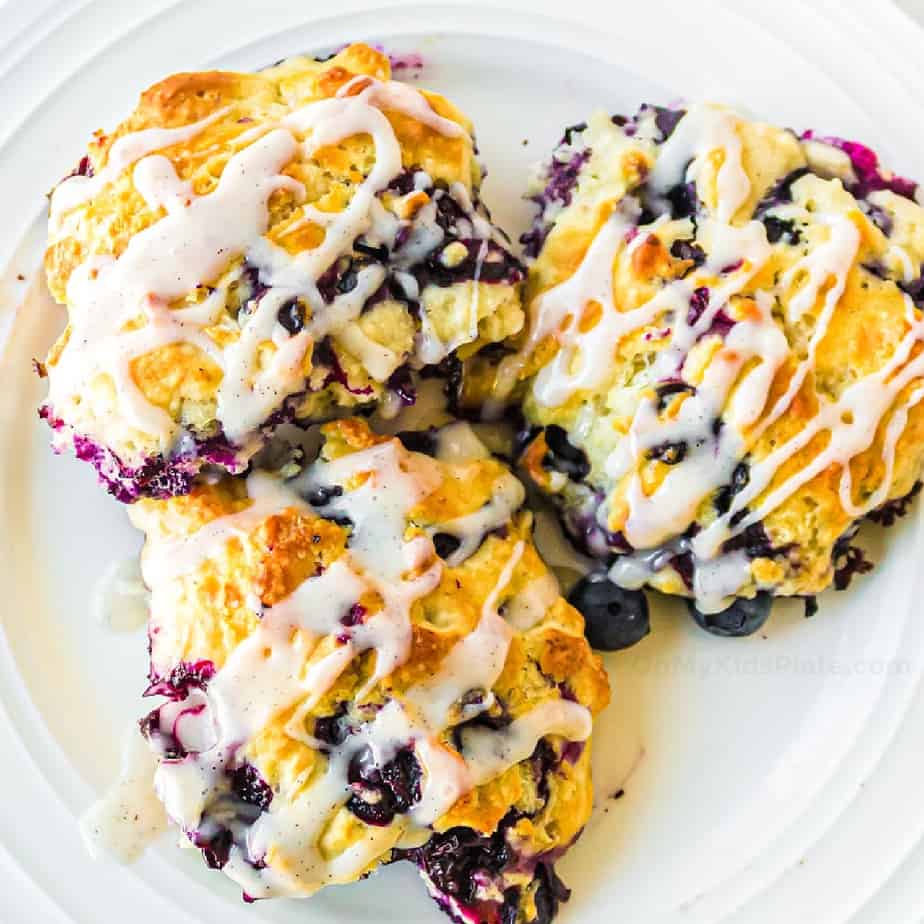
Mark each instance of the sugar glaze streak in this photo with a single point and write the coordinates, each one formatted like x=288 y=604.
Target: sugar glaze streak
x=192 y=245
x=736 y=385
x=266 y=674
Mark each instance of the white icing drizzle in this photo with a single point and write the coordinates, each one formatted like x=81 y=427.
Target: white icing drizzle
x=458 y=442
x=704 y=129
x=507 y=497
x=129 y=817
x=392 y=94
x=852 y=422
x=197 y=239
x=529 y=606
x=120 y=600
x=491 y=753
x=591 y=282
x=125 y=151
x=266 y=674
x=187 y=248
x=735 y=385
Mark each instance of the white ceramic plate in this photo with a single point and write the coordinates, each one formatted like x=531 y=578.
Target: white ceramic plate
x=770 y=779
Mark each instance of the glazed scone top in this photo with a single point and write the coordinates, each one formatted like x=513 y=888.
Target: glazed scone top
x=244 y=239
x=309 y=629
x=723 y=317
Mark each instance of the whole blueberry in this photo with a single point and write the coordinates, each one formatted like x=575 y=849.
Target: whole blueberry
x=614 y=617
x=744 y=617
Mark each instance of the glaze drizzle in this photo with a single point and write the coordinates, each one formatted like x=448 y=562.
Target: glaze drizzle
x=735 y=386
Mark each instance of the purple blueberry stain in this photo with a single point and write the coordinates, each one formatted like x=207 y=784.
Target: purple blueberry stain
x=866 y=167
x=185 y=676
x=380 y=793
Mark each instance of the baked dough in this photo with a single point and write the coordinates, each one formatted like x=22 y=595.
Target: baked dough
x=247 y=249
x=369 y=663
x=723 y=363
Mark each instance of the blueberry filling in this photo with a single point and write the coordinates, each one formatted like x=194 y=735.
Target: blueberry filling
x=778 y=229
x=550 y=893
x=291 y=316
x=422 y=441
x=590 y=537
x=445 y=544
x=572 y=130
x=450 y=370
x=849 y=562
x=743 y=617
x=402 y=384
x=324 y=355
x=893 y=510
x=380 y=794
x=165 y=744
x=378 y=252
x=215 y=847
x=669 y=453
x=668 y=390
x=334 y=729
x=339 y=279
x=184 y=677
x=699 y=302
x=323 y=495
x=688 y=250
x=563 y=456
x=544 y=762
x=914 y=289
x=483 y=261
x=248 y=786
x=496 y=718
x=781 y=192
x=614 y=618
x=460 y=861
x=561 y=179
x=158 y=476
x=232 y=810
x=666 y=120
x=683 y=200
x=84 y=167
x=755 y=542
x=250 y=289
x=452 y=860
x=878 y=216
x=354 y=616
x=739 y=481
x=684 y=566
x=865 y=165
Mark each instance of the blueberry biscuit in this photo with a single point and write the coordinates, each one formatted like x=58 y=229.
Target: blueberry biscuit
x=252 y=248
x=369 y=663
x=723 y=367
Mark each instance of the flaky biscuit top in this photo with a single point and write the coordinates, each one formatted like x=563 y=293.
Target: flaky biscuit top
x=725 y=319
x=249 y=248
x=311 y=643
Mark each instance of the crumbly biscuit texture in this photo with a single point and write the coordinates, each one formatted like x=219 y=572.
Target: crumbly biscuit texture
x=369 y=663
x=251 y=248
x=723 y=360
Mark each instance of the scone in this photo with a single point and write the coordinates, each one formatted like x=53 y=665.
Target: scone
x=367 y=663
x=723 y=368
x=247 y=249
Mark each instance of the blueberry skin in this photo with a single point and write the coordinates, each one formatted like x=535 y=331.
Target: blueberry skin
x=614 y=618
x=743 y=617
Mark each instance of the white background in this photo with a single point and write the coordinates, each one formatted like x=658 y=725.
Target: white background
x=23 y=23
